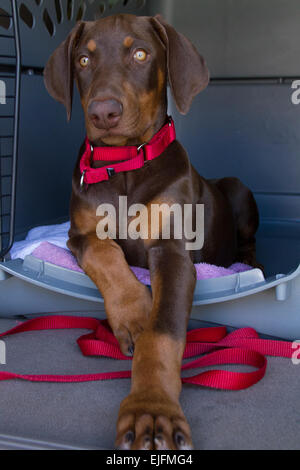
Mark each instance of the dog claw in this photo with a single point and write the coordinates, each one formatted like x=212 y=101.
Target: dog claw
x=181 y=442
x=127 y=441
x=179 y=439
x=131 y=350
x=129 y=437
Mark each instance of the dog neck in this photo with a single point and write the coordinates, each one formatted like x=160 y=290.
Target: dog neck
x=101 y=163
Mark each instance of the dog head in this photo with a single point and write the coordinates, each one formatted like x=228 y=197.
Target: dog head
x=121 y=65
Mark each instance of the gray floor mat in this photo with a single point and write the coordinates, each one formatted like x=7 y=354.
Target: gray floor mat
x=83 y=415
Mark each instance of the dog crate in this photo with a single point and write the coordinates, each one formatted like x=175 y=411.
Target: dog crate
x=244 y=124
x=10 y=70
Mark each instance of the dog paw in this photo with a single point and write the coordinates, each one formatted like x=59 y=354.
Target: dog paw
x=156 y=425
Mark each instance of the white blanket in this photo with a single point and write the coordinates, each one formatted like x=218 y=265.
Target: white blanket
x=56 y=234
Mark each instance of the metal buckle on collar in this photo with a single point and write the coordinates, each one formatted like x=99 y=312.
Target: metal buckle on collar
x=111 y=172
x=82 y=179
x=81 y=185
x=140 y=147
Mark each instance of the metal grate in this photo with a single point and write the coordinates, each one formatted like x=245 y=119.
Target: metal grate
x=45 y=24
x=10 y=68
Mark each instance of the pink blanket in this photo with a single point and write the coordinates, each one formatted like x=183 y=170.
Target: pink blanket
x=61 y=257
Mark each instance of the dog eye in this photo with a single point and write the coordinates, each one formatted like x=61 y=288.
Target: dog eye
x=140 y=55
x=84 y=61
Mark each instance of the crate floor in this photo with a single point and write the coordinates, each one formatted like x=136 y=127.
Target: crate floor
x=83 y=415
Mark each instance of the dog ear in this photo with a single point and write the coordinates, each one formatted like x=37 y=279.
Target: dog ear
x=187 y=71
x=58 y=73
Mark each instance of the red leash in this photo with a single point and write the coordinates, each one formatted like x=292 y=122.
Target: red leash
x=242 y=346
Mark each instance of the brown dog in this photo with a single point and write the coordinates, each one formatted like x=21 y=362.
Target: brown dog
x=121 y=65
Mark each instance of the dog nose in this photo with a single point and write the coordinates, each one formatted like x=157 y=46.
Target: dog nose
x=105 y=114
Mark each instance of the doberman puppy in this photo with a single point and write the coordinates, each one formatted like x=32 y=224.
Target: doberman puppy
x=121 y=65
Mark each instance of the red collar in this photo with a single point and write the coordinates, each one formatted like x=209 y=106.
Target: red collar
x=131 y=157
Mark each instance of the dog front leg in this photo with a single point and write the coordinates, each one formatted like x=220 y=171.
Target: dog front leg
x=127 y=301
x=151 y=416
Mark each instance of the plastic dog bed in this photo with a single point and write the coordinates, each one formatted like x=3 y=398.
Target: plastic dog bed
x=42 y=262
